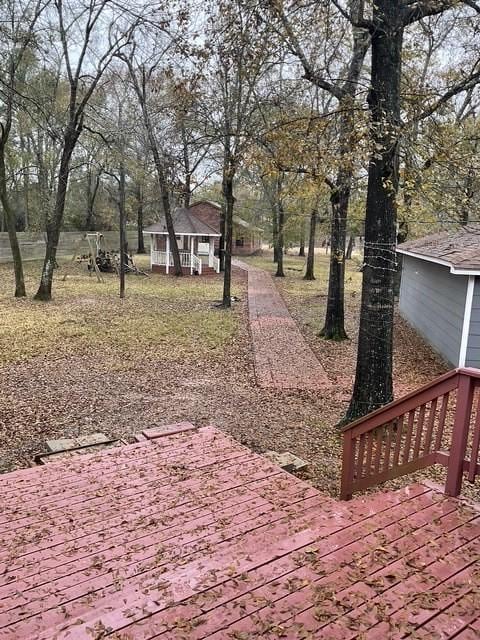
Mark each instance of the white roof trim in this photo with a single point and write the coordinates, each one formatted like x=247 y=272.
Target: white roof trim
x=165 y=233
x=466 y=321
x=456 y=271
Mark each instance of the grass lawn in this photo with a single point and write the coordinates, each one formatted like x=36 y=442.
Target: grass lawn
x=88 y=361
x=88 y=316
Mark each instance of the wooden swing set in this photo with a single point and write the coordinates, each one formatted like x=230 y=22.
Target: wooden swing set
x=101 y=259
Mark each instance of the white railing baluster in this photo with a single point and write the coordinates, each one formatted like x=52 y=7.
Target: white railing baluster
x=187 y=260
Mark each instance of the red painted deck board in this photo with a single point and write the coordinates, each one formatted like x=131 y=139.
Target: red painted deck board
x=191 y=535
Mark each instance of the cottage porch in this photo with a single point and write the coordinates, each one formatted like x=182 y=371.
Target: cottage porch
x=195 y=240
x=197 y=254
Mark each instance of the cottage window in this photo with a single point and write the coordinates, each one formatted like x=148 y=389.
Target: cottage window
x=239 y=242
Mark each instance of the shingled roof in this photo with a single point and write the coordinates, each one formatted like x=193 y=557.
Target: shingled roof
x=184 y=223
x=459 y=249
x=236 y=219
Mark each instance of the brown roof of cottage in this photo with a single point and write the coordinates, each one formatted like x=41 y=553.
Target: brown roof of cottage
x=236 y=219
x=184 y=222
x=210 y=202
x=459 y=249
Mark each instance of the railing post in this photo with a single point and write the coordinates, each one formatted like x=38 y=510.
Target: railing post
x=461 y=427
x=346 y=489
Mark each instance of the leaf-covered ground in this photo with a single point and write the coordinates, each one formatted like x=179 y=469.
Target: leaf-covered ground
x=415 y=363
x=89 y=362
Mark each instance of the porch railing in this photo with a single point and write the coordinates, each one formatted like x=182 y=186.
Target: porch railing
x=216 y=264
x=187 y=260
x=197 y=264
x=437 y=424
x=160 y=257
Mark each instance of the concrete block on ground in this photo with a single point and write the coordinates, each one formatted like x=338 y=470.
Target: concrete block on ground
x=168 y=430
x=59 y=456
x=288 y=461
x=66 y=444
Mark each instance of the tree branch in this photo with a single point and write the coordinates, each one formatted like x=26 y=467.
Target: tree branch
x=473 y=5
x=296 y=48
x=465 y=85
x=358 y=22
x=413 y=12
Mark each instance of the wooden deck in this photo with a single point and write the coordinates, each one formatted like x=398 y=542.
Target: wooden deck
x=191 y=535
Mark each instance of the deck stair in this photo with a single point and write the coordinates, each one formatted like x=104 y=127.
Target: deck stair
x=436 y=424
x=187 y=534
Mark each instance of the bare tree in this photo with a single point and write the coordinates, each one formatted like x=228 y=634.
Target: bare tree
x=240 y=57
x=146 y=79
x=18 y=31
x=344 y=90
x=82 y=26
x=191 y=146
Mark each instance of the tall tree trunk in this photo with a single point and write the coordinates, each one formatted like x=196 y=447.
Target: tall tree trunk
x=93 y=183
x=373 y=378
x=351 y=244
x=26 y=199
x=26 y=181
x=140 y=87
x=122 y=225
x=275 y=234
x=278 y=205
x=301 y=251
x=226 y=188
x=334 y=327
x=280 y=239
x=140 y=238
x=229 y=204
x=11 y=228
x=187 y=194
x=469 y=192
x=310 y=270
x=187 y=188
x=163 y=185
x=53 y=225
x=221 y=244
x=402 y=235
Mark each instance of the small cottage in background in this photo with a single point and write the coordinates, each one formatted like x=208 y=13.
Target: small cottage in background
x=197 y=230
x=440 y=292
x=247 y=238
x=196 y=242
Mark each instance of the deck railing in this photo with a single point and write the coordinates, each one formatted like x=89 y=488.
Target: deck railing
x=437 y=424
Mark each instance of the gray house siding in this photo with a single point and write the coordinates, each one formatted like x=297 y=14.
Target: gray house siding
x=432 y=300
x=473 y=345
